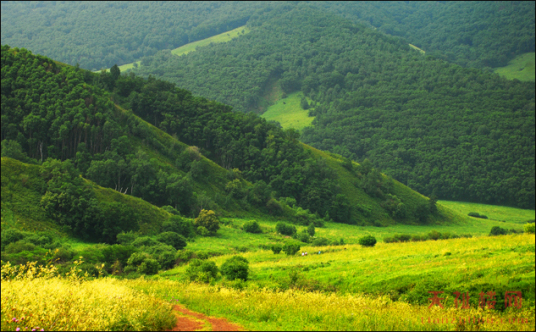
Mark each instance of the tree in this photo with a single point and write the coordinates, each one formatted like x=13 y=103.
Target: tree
x=173 y=239
x=115 y=72
x=208 y=220
x=432 y=204
x=311 y=230
x=367 y=241
x=291 y=248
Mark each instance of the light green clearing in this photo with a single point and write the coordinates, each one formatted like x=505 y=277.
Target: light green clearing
x=190 y=47
x=521 y=67
x=221 y=38
x=288 y=112
x=493 y=212
x=416 y=48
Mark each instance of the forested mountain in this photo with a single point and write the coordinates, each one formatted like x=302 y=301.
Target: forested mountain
x=77 y=123
x=460 y=133
x=470 y=33
x=99 y=34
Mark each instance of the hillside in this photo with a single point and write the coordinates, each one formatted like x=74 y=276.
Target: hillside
x=408 y=113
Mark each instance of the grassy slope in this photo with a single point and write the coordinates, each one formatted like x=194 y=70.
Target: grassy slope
x=405 y=271
x=191 y=47
x=521 y=67
x=288 y=112
x=493 y=212
x=416 y=48
x=21 y=202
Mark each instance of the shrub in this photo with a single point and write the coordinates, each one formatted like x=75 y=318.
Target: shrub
x=402 y=238
x=126 y=238
x=446 y=236
x=320 y=242
x=203 y=271
x=416 y=238
x=477 y=215
x=252 y=227
x=311 y=230
x=144 y=241
x=367 y=241
x=291 y=248
x=276 y=248
x=388 y=239
x=10 y=236
x=183 y=256
x=304 y=237
x=173 y=239
x=496 y=230
x=180 y=226
x=208 y=220
x=149 y=266
x=202 y=231
x=170 y=209
x=117 y=252
x=434 y=235
x=19 y=246
x=163 y=253
x=529 y=228
x=285 y=229
x=236 y=267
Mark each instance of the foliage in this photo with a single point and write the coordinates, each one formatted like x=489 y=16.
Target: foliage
x=144 y=241
x=311 y=230
x=477 y=215
x=179 y=225
x=496 y=230
x=303 y=237
x=203 y=271
x=173 y=239
x=291 y=248
x=367 y=241
x=126 y=238
x=236 y=267
x=529 y=228
x=320 y=241
x=208 y=220
x=252 y=227
x=285 y=229
x=276 y=248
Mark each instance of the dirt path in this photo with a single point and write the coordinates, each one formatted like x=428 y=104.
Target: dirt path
x=184 y=323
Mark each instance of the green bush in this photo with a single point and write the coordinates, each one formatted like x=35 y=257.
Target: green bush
x=208 y=220
x=163 y=253
x=416 y=238
x=434 y=235
x=117 y=252
x=203 y=271
x=19 y=246
x=496 y=230
x=388 y=239
x=126 y=238
x=367 y=241
x=311 y=230
x=201 y=230
x=402 y=237
x=236 y=267
x=291 y=248
x=180 y=226
x=144 y=241
x=320 y=242
x=252 y=227
x=10 y=236
x=171 y=210
x=148 y=266
x=285 y=229
x=304 y=237
x=173 y=239
x=477 y=215
x=276 y=248
x=183 y=256
x=529 y=228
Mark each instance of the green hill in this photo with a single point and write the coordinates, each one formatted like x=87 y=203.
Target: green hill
x=463 y=134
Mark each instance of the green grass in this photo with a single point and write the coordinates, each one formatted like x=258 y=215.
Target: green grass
x=521 y=67
x=494 y=212
x=416 y=48
x=288 y=112
x=221 y=38
x=191 y=47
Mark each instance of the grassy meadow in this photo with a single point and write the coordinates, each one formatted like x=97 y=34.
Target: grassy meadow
x=521 y=67
x=493 y=212
x=289 y=113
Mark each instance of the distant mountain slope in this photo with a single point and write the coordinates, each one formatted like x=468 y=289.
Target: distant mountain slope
x=469 y=33
x=100 y=34
x=462 y=134
x=236 y=164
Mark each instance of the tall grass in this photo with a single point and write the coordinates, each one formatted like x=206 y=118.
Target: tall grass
x=35 y=297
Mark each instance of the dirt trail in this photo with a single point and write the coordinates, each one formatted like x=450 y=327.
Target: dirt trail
x=188 y=324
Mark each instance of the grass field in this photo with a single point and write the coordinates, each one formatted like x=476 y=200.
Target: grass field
x=416 y=48
x=370 y=284
x=221 y=38
x=190 y=47
x=288 y=112
x=521 y=67
x=493 y=212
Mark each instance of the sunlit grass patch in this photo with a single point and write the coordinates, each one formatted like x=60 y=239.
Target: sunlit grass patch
x=493 y=212
x=221 y=38
x=289 y=113
x=521 y=67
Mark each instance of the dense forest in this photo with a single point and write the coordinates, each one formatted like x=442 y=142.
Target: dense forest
x=69 y=121
x=462 y=134
x=100 y=34
x=469 y=33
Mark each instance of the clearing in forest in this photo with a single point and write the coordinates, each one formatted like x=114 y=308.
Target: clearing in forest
x=289 y=112
x=520 y=67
